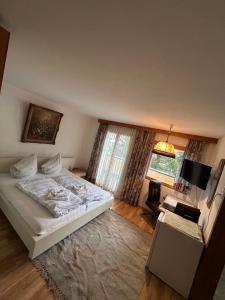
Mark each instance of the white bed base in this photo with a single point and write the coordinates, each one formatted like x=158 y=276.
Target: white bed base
x=37 y=244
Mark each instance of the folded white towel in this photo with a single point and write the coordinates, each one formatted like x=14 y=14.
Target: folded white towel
x=85 y=190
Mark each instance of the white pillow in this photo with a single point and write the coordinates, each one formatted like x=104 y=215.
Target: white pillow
x=26 y=167
x=53 y=166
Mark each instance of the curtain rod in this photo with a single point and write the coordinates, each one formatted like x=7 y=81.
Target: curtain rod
x=173 y=133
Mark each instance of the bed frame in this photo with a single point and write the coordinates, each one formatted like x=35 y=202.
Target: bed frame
x=37 y=244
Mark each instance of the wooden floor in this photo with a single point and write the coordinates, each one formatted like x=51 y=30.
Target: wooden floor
x=154 y=289
x=19 y=280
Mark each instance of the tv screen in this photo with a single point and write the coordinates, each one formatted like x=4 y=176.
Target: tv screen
x=195 y=173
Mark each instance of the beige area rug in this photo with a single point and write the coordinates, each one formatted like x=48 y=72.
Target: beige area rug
x=104 y=259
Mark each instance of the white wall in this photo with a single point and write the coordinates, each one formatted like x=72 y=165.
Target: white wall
x=212 y=155
x=75 y=136
x=164 y=190
x=209 y=216
x=207 y=158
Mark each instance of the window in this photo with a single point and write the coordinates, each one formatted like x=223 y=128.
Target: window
x=114 y=158
x=165 y=168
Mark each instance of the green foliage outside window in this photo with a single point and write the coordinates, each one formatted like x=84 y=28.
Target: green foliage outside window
x=167 y=165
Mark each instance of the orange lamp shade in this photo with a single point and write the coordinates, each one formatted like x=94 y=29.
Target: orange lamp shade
x=165 y=149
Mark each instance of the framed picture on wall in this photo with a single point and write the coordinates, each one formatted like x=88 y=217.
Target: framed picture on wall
x=41 y=126
x=215 y=181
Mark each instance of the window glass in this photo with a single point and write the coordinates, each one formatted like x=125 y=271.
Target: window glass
x=113 y=160
x=165 y=168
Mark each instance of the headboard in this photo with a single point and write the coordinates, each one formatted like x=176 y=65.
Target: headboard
x=68 y=162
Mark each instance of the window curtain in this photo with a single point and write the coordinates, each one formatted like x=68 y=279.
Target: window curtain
x=114 y=158
x=96 y=153
x=137 y=167
x=193 y=151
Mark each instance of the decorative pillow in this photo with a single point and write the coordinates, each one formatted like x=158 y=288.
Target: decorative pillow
x=53 y=166
x=26 y=167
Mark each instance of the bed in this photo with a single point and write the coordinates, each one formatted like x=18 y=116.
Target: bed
x=37 y=228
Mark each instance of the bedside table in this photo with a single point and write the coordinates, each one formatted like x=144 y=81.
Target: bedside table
x=79 y=172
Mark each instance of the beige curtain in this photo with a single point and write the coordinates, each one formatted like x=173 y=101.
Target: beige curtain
x=96 y=153
x=137 y=166
x=193 y=151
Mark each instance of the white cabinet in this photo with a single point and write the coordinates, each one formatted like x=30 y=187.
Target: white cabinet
x=175 y=252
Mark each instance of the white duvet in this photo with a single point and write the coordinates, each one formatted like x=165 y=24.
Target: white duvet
x=46 y=191
x=36 y=216
x=80 y=187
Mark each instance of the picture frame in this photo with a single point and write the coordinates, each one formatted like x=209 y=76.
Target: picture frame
x=215 y=181
x=41 y=126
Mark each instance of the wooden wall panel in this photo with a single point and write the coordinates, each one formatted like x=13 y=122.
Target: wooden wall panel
x=173 y=133
x=4 y=41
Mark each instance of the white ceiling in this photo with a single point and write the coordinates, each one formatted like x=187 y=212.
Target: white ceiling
x=144 y=62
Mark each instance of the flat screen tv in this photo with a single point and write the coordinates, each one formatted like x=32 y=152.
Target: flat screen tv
x=195 y=173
